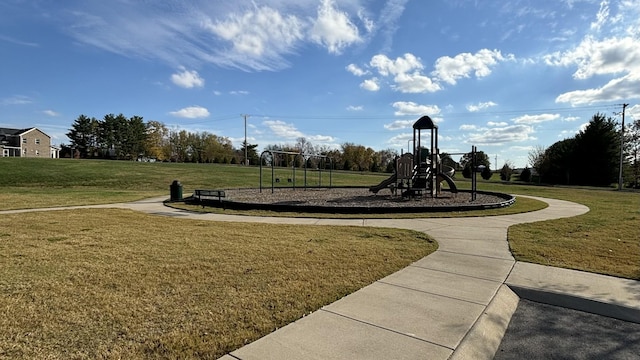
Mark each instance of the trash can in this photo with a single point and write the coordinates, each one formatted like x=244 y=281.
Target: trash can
x=175 y=189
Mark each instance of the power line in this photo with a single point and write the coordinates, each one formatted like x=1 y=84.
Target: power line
x=449 y=115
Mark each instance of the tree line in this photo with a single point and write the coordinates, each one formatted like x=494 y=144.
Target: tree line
x=592 y=157
x=589 y=158
x=131 y=138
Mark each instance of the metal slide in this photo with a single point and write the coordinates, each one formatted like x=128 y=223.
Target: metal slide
x=385 y=183
x=452 y=185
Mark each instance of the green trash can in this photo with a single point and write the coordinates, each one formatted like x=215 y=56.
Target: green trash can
x=175 y=189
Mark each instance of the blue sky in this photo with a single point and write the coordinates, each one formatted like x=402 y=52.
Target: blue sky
x=506 y=76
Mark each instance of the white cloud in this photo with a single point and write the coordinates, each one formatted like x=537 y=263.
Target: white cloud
x=634 y=112
x=602 y=16
x=480 y=106
x=536 y=119
x=371 y=84
x=400 y=140
x=450 y=69
x=191 y=112
x=239 y=92
x=410 y=108
x=187 y=79
x=501 y=135
x=51 y=113
x=614 y=56
x=502 y=123
x=399 y=124
x=259 y=38
x=321 y=139
x=402 y=65
x=414 y=83
x=333 y=29
x=388 y=21
x=289 y=131
x=571 y=118
x=564 y=134
x=406 y=72
x=468 y=127
x=357 y=71
x=283 y=129
x=617 y=89
x=355 y=108
x=16 y=100
x=600 y=57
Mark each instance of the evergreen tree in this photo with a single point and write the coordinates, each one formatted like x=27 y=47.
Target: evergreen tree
x=486 y=173
x=597 y=152
x=525 y=175
x=83 y=135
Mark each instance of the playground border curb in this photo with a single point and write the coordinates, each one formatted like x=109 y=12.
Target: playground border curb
x=508 y=200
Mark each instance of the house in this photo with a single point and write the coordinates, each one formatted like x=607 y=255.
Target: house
x=29 y=142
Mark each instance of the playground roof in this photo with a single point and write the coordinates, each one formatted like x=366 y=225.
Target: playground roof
x=425 y=122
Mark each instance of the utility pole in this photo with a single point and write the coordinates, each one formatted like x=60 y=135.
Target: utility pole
x=624 y=106
x=246 y=145
x=496 y=162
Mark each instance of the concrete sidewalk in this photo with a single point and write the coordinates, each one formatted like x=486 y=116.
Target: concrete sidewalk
x=453 y=304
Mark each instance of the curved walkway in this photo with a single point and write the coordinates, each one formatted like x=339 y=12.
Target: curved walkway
x=453 y=304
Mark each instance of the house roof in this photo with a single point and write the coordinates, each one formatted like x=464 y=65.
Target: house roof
x=17 y=132
x=14 y=132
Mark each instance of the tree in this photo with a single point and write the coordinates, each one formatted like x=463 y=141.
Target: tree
x=357 y=157
x=304 y=146
x=525 y=175
x=486 y=173
x=83 y=135
x=466 y=160
x=157 y=141
x=557 y=164
x=133 y=137
x=536 y=157
x=252 y=154
x=447 y=160
x=597 y=152
x=506 y=171
x=386 y=159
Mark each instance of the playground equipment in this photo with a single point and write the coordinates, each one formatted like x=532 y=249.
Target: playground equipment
x=417 y=172
x=276 y=156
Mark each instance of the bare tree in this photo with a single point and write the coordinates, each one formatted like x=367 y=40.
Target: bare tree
x=536 y=157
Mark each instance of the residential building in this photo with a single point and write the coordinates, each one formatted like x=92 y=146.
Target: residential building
x=30 y=142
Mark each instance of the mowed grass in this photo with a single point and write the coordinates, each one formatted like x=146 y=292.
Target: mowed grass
x=605 y=240
x=37 y=183
x=112 y=283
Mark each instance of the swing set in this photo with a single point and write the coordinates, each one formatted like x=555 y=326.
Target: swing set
x=291 y=159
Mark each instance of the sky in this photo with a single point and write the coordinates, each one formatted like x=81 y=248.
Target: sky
x=506 y=76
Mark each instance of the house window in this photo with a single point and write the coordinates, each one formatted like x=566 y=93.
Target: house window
x=37 y=141
x=5 y=152
x=24 y=151
x=24 y=140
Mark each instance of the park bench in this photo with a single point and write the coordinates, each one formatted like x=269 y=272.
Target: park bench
x=199 y=194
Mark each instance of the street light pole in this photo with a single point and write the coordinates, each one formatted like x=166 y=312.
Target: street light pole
x=624 y=106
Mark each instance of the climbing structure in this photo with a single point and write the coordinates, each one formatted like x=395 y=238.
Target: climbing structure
x=420 y=171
